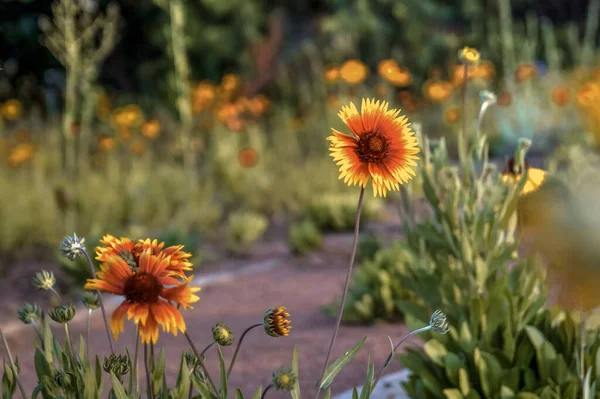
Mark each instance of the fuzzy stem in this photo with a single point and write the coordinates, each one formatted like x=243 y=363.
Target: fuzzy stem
x=55 y=294
x=93 y=271
x=265 y=391
x=135 y=370
x=187 y=336
x=389 y=358
x=239 y=344
x=69 y=346
x=148 y=378
x=12 y=364
x=207 y=348
x=37 y=330
x=345 y=292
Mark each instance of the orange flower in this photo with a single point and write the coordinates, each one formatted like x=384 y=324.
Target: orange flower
x=130 y=252
x=259 y=104
x=11 y=109
x=504 y=99
x=535 y=176
x=106 y=143
x=396 y=75
x=125 y=133
x=451 y=115
x=387 y=67
x=382 y=147
x=230 y=82
x=151 y=129
x=128 y=116
x=20 y=154
x=458 y=74
x=437 y=91
x=525 y=72
x=331 y=74
x=485 y=70
x=560 y=95
x=354 y=72
x=149 y=292
x=202 y=96
x=248 y=157
x=588 y=94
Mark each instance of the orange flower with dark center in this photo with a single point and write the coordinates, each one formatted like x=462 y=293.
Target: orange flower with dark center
x=451 y=115
x=354 y=72
x=535 y=176
x=504 y=99
x=399 y=77
x=525 y=72
x=382 y=147
x=248 y=157
x=588 y=94
x=560 y=95
x=437 y=91
x=331 y=74
x=131 y=252
x=149 y=294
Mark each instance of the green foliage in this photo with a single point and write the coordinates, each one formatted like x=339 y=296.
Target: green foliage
x=304 y=237
x=368 y=245
x=243 y=230
x=337 y=212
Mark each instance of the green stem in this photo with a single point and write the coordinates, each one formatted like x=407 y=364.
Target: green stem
x=210 y=380
x=266 y=390
x=152 y=356
x=389 y=358
x=345 y=292
x=148 y=377
x=93 y=271
x=37 y=330
x=70 y=347
x=207 y=348
x=12 y=364
x=135 y=361
x=55 y=294
x=87 y=334
x=239 y=344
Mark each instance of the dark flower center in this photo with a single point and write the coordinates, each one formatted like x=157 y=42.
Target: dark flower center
x=142 y=288
x=372 y=147
x=510 y=167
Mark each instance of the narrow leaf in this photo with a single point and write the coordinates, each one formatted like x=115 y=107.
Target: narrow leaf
x=339 y=364
x=239 y=394
x=117 y=387
x=223 y=373
x=295 y=392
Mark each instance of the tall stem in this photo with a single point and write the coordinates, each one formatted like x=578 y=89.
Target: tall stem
x=37 y=330
x=55 y=294
x=345 y=292
x=148 y=378
x=239 y=344
x=70 y=347
x=265 y=391
x=207 y=348
x=93 y=271
x=12 y=364
x=464 y=137
x=135 y=360
x=389 y=358
x=87 y=333
x=201 y=362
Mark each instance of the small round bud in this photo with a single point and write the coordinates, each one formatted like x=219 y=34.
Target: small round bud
x=62 y=313
x=469 y=56
x=29 y=313
x=275 y=322
x=72 y=247
x=222 y=334
x=64 y=379
x=284 y=379
x=487 y=96
x=90 y=300
x=44 y=280
x=118 y=364
x=438 y=322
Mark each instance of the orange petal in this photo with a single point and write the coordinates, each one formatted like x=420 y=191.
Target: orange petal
x=181 y=294
x=352 y=119
x=168 y=317
x=117 y=320
x=149 y=331
x=152 y=264
x=138 y=312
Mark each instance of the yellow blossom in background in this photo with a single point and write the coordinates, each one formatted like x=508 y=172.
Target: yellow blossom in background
x=485 y=70
x=400 y=77
x=128 y=116
x=331 y=74
x=259 y=105
x=138 y=147
x=11 y=109
x=588 y=94
x=535 y=176
x=230 y=82
x=228 y=111
x=386 y=67
x=560 y=95
x=354 y=72
x=125 y=133
x=437 y=91
x=458 y=74
x=525 y=72
x=106 y=143
x=469 y=56
x=20 y=154
x=151 y=129
x=203 y=96
x=248 y=157
x=236 y=124
x=381 y=148
x=22 y=135
x=451 y=115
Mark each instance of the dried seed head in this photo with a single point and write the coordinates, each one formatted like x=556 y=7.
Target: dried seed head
x=72 y=247
x=276 y=323
x=222 y=334
x=118 y=364
x=438 y=322
x=44 y=280
x=284 y=379
x=62 y=313
x=90 y=300
x=29 y=313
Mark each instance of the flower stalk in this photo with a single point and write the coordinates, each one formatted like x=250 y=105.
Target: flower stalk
x=266 y=390
x=12 y=364
x=239 y=344
x=200 y=362
x=345 y=291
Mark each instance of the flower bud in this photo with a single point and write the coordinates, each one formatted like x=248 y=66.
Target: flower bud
x=29 y=313
x=438 y=322
x=469 y=56
x=284 y=379
x=62 y=313
x=118 y=364
x=72 y=247
x=44 y=280
x=222 y=334
x=90 y=300
x=275 y=322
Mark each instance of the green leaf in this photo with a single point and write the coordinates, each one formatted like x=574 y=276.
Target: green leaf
x=365 y=392
x=598 y=364
x=490 y=372
x=99 y=379
x=295 y=392
x=9 y=381
x=204 y=390
x=506 y=392
x=223 y=373
x=354 y=393
x=452 y=364
x=89 y=384
x=453 y=394
x=182 y=387
x=391 y=355
x=436 y=351
x=463 y=381
x=82 y=347
x=239 y=394
x=258 y=393
x=327 y=394
x=339 y=364
x=117 y=387
x=42 y=367
x=158 y=374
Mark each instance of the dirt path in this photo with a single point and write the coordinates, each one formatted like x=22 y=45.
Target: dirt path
x=303 y=285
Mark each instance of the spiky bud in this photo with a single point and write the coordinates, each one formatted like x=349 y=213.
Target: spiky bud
x=44 y=280
x=118 y=364
x=72 y=246
x=438 y=322
x=275 y=322
x=284 y=379
x=90 y=300
x=62 y=313
x=222 y=334
x=29 y=313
